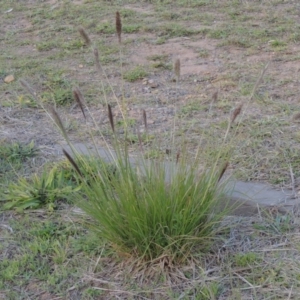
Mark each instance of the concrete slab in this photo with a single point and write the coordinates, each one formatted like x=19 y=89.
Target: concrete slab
x=248 y=198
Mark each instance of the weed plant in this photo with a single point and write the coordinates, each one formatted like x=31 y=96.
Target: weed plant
x=45 y=189
x=16 y=152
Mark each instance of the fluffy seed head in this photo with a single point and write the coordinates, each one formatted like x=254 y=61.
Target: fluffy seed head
x=118 y=26
x=215 y=96
x=85 y=36
x=58 y=122
x=236 y=112
x=97 y=60
x=177 y=157
x=177 y=68
x=111 y=118
x=145 y=119
x=73 y=163
x=79 y=99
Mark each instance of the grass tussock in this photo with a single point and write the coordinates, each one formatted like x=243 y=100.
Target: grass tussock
x=148 y=209
x=151 y=211
x=141 y=214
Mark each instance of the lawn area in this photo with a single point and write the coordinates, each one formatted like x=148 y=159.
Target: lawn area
x=209 y=84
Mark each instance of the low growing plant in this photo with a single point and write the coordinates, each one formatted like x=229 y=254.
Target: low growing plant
x=135 y=74
x=140 y=212
x=48 y=189
x=52 y=185
x=16 y=152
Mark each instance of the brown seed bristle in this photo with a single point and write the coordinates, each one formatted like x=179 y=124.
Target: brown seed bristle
x=177 y=68
x=85 y=36
x=145 y=119
x=215 y=96
x=71 y=160
x=79 y=99
x=236 y=112
x=111 y=118
x=58 y=122
x=223 y=170
x=97 y=61
x=177 y=157
x=118 y=26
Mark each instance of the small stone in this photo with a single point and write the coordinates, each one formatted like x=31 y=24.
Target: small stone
x=153 y=84
x=9 y=78
x=80 y=66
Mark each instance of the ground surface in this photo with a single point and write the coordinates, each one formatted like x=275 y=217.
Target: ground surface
x=223 y=46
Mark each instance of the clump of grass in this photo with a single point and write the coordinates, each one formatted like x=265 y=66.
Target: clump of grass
x=246 y=259
x=54 y=185
x=135 y=74
x=60 y=96
x=150 y=209
x=57 y=90
x=17 y=152
x=139 y=213
x=46 y=189
x=176 y=30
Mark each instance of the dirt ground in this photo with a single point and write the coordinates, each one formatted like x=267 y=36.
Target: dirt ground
x=223 y=46
x=215 y=57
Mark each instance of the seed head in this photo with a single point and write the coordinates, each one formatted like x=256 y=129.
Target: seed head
x=85 y=36
x=111 y=118
x=97 y=60
x=236 y=112
x=215 y=96
x=177 y=157
x=177 y=69
x=73 y=163
x=79 y=99
x=59 y=122
x=118 y=26
x=145 y=119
